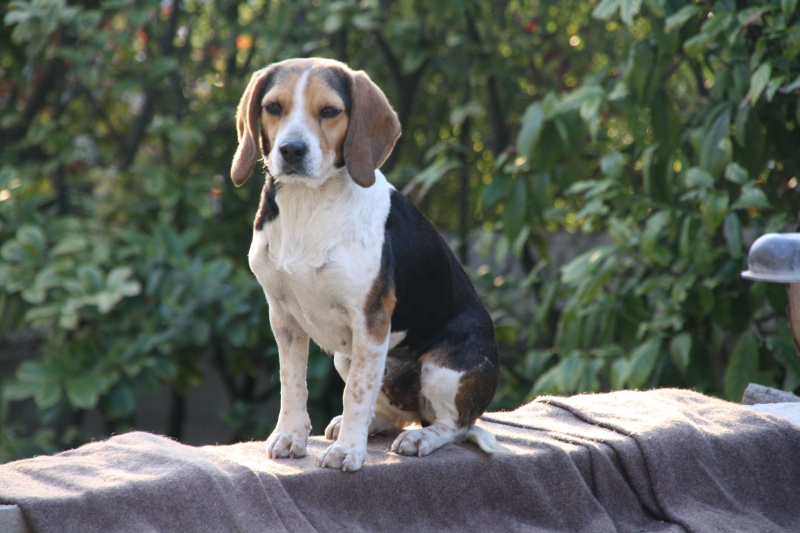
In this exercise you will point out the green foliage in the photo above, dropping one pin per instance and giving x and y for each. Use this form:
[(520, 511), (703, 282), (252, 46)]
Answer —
[(124, 244), (680, 149), (125, 310), (666, 127)]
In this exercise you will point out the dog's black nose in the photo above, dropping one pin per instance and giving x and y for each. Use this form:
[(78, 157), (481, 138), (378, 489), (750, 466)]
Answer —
[(293, 152)]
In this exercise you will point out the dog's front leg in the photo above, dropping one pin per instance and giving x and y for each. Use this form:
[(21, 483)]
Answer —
[(291, 432), (364, 380)]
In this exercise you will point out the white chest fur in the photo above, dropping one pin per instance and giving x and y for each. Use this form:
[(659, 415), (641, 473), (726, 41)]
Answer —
[(317, 259)]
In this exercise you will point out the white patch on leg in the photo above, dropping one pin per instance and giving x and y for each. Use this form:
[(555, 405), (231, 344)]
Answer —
[(291, 432), (395, 338), (439, 390), (364, 377)]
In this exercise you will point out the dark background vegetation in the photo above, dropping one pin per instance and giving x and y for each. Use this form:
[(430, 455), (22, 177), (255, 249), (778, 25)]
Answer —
[(665, 130)]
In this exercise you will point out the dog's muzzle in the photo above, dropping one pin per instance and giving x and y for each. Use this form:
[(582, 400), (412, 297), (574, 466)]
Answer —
[(294, 154)]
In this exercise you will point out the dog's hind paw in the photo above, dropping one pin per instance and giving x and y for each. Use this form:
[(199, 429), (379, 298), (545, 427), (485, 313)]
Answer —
[(421, 442), (332, 431), (281, 444), (342, 457)]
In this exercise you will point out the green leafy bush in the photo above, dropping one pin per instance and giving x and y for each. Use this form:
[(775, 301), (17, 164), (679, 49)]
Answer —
[(667, 128), (123, 242), (681, 149)]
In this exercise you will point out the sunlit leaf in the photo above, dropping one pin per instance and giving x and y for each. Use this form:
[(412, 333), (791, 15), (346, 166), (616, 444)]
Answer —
[(697, 177), (751, 197), (620, 370), (515, 209), (759, 80), (732, 230), (606, 9), (47, 395), (656, 224), (680, 348), (32, 237), (70, 244), (680, 17), (714, 155), (742, 367), (629, 9), (714, 210), (642, 362), (82, 392), (735, 173), (532, 122)]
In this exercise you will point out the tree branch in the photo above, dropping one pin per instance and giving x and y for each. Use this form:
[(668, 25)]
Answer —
[(35, 103), (500, 136), (394, 65), (167, 47)]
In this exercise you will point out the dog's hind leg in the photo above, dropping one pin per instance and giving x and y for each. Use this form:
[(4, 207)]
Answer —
[(386, 417), (439, 390), (452, 400)]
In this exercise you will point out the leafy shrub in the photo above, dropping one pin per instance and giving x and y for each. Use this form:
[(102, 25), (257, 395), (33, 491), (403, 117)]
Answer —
[(681, 149), (123, 241), (665, 127)]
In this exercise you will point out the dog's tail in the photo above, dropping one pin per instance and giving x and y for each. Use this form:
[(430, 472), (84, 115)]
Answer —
[(485, 441)]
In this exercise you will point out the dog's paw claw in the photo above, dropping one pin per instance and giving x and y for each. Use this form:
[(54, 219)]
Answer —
[(345, 458), (291, 445), (412, 442)]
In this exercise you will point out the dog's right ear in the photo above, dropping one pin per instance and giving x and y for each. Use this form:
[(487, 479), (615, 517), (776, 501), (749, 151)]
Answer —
[(248, 125)]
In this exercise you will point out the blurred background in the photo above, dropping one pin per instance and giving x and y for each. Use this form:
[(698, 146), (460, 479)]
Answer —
[(599, 167)]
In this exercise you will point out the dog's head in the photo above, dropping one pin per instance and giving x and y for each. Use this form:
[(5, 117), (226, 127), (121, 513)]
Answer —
[(312, 118)]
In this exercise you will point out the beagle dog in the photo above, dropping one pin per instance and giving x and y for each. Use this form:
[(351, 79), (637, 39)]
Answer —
[(348, 261)]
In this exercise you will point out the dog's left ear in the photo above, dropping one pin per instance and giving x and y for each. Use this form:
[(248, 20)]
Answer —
[(372, 132), (248, 116)]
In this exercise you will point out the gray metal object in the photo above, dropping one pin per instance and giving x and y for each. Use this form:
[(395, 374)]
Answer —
[(774, 257)]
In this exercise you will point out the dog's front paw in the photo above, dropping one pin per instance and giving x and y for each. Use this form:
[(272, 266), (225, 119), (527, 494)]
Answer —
[(332, 431), (343, 457), (287, 444)]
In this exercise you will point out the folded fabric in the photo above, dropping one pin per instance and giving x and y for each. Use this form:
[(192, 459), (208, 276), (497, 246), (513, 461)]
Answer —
[(663, 460)]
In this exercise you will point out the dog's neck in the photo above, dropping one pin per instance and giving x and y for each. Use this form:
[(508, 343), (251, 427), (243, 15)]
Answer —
[(315, 220)]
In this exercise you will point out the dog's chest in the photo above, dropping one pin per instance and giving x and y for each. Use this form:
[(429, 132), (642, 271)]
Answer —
[(317, 259), (314, 296)]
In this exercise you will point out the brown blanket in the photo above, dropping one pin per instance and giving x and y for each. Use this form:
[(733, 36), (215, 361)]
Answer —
[(663, 460)]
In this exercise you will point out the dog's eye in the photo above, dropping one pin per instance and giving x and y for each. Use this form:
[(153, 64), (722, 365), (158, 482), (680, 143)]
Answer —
[(273, 108), (329, 112)]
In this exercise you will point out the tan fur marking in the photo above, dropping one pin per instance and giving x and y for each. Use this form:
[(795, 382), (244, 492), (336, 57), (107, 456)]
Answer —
[(379, 314), (329, 131), (283, 94), (475, 391), (357, 393), (438, 357)]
